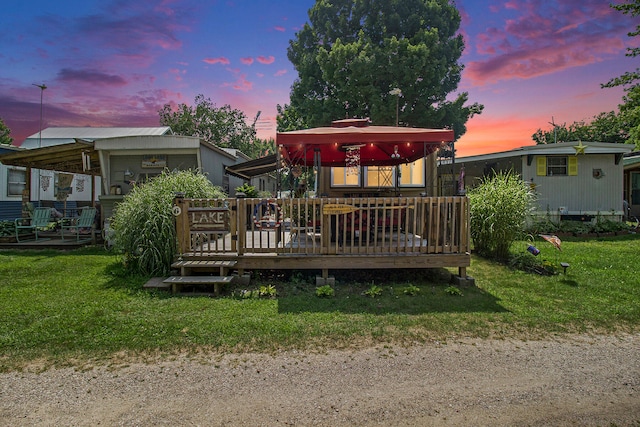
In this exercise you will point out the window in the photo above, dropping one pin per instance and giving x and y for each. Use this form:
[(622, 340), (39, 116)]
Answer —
[(225, 181), (340, 178), (412, 174), (635, 188), (379, 176), (16, 181), (556, 166)]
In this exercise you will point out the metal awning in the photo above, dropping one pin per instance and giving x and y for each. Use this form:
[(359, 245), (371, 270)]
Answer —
[(261, 166), (76, 157)]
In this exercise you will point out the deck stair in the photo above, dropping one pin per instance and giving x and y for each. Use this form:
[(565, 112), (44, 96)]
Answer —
[(188, 266), (197, 273), (177, 282)]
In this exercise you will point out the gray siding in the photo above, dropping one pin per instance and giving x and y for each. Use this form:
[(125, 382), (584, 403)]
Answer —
[(214, 163), (581, 193)]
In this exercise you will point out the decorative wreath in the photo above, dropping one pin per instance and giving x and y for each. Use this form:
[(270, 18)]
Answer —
[(263, 212)]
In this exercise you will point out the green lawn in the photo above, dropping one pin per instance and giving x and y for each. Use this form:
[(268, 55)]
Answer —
[(79, 307)]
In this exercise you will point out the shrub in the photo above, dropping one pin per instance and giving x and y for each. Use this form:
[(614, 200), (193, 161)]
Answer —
[(499, 208), (412, 290), (452, 290), (374, 291), (249, 190), (325, 291), (143, 222), (267, 291)]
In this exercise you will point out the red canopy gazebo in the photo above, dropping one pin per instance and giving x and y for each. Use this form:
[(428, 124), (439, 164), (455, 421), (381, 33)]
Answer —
[(377, 145)]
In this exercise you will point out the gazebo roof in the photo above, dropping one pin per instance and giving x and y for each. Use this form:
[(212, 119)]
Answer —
[(377, 145)]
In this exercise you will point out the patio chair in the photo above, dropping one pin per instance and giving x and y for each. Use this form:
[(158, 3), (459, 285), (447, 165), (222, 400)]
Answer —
[(40, 219), (86, 220)]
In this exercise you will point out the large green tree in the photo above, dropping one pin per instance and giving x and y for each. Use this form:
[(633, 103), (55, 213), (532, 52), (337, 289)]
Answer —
[(389, 60), (629, 114), (5, 133), (605, 127), (223, 126)]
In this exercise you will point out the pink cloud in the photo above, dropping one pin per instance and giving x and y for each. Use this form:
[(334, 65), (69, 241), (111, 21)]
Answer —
[(247, 61), (177, 73), (540, 61), (266, 59), (220, 60), (544, 39), (241, 84), (511, 5), (260, 75), (280, 73), (279, 28)]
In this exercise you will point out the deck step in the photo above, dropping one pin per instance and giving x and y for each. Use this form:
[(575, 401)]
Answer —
[(186, 266), (177, 282), (204, 263), (156, 283)]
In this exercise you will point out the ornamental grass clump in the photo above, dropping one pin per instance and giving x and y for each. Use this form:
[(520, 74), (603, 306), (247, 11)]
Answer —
[(500, 206), (143, 222)]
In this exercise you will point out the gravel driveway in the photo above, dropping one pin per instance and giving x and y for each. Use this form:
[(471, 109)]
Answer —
[(578, 380)]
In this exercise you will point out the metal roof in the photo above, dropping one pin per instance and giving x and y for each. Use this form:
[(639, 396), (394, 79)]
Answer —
[(261, 166), (560, 148), (75, 157), (632, 160), (93, 133)]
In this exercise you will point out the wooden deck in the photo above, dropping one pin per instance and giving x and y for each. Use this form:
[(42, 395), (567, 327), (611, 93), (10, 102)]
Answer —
[(326, 233)]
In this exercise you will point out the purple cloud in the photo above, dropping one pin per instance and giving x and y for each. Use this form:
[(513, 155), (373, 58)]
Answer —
[(546, 37), (93, 77)]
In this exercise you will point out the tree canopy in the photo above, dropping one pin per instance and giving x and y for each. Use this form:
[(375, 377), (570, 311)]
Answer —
[(618, 127), (394, 61), (5, 133), (225, 127), (629, 115), (604, 127)]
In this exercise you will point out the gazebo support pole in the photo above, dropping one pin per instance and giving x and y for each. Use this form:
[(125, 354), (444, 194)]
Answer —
[(432, 174)]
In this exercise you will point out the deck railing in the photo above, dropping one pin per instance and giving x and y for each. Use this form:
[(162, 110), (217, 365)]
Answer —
[(370, 225)]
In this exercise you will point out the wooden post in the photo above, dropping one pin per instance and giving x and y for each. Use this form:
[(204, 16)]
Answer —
[(241, 224), (432, 174), (181, 211), (233, 223)]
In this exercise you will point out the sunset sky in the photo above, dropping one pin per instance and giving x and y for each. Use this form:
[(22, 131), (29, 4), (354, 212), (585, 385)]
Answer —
[(117, 62)]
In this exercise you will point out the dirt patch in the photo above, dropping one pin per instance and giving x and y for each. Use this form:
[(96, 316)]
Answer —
[(580, 380)]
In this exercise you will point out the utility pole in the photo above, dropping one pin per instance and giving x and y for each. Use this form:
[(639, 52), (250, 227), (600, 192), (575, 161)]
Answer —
[(42, 88)]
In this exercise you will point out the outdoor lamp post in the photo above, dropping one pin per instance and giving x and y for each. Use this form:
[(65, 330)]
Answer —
[(42, 88), (397, 93)]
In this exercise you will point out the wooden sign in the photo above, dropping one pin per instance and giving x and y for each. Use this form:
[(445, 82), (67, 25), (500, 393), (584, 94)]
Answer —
[(337, 209), (209, 219)]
